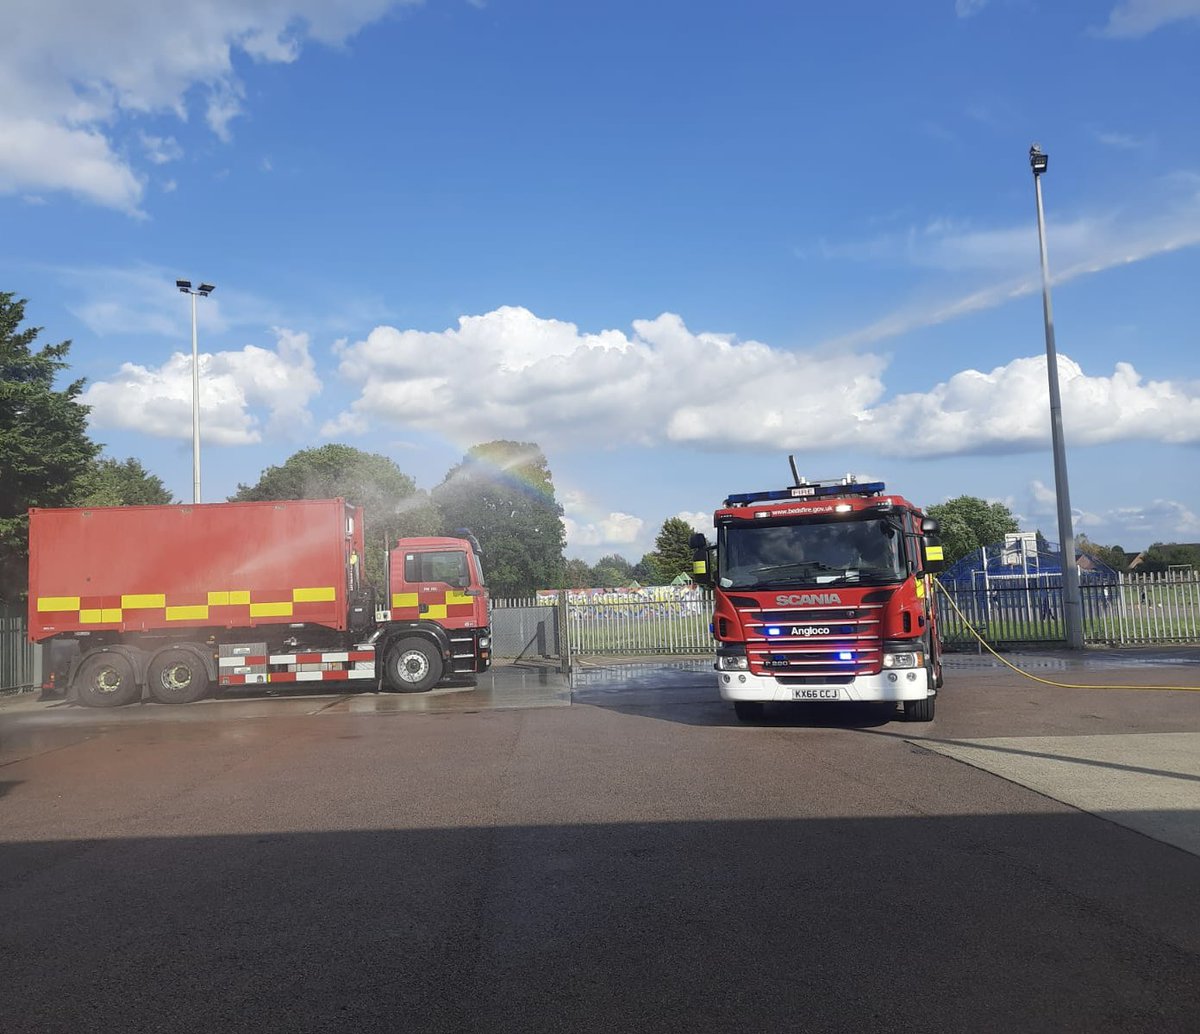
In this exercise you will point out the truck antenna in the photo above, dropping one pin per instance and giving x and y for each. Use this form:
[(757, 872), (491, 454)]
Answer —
[(795, 473)]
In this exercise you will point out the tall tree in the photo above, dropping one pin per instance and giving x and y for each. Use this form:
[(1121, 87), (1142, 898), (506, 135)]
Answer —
[(968, 522), (504, 493), (44, 446), (612, 572), (645, 571), (577, 574), (393, 507), (672, 554), (1113, 556), (109, 482)]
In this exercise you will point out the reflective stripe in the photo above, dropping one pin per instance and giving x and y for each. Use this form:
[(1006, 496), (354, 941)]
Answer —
[(144, 601), (197, 613), (56, 603), (97, 617), (404, 599), (270, 610), (319, 594), (934, 553), (699, 567)]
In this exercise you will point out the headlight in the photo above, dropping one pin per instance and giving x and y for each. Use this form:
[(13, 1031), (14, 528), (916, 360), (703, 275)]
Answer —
[(732, 662), (905, 659), (485, 641)]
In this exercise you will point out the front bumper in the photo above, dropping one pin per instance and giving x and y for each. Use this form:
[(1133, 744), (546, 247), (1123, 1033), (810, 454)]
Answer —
[(897, 684)]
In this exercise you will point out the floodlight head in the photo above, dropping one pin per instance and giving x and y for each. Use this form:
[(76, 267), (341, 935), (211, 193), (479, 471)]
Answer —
[(1038, 160), (184, 285), (206, 289)]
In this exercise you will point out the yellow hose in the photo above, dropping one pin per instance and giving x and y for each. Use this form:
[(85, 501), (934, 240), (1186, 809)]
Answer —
[(1046, 682)]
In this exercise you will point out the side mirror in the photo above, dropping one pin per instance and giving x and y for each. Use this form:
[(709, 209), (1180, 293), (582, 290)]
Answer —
[(704, 561), (929, 526), (697, 540), (933, 558)]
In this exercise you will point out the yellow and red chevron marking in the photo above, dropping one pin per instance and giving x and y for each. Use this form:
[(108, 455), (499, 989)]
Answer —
[(219, 605), (438, 606)]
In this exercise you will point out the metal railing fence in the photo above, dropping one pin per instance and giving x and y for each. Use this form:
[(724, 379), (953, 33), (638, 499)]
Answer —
[(20, 660), (1130, 610)]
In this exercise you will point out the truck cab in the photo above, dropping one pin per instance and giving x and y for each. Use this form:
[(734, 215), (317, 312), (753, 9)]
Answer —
[(823, 592), (434, 621)]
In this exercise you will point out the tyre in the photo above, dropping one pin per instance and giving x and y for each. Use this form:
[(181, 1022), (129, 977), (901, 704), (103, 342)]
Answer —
[(748, 710), (106, 680), (919, 710), (413, 666), (177, 677)]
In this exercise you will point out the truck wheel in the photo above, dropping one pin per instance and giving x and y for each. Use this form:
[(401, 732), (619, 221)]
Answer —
[(919, 710), (748, 710), (177, 677), (413, 666), (106, 680)]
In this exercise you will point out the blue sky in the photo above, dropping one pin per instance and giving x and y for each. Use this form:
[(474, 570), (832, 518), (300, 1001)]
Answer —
[(670, 242)]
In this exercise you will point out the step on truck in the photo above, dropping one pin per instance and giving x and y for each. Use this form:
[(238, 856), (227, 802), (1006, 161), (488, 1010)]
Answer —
[(823, 592), (181, 600)]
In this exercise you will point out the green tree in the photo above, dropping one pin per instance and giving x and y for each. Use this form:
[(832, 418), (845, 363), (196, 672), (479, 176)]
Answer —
[(577, 574), (968, 522), (504, 493), (646, 571), (1162, 556), (1113, 556), (44, 446), (109, 482), (612, 572), (672, 554), (393, 507)]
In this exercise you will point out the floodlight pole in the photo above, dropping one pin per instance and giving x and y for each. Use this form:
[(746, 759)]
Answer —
[(203, 291), (1072, 606), (195, 407)]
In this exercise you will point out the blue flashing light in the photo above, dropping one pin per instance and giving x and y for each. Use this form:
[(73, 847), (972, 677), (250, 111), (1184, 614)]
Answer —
[(774, 630), (801, 492), (845, 655)]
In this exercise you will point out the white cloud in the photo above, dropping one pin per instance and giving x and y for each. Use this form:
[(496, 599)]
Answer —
[(1133, 18), (70, 72), (1159, 520), (698, 520), (238, 392), (1078, 247), (161, 150), (509, 374), (1121, 141), (587, 528), (969, 8)]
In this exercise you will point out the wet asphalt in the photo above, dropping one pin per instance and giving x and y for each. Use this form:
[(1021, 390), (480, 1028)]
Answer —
[(620, 854)]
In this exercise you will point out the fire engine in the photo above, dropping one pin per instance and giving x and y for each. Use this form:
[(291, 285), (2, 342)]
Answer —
[(823, 592), (180, 599)]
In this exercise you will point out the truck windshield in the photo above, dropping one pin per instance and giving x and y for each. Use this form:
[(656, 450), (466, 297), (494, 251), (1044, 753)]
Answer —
[(760, 555)]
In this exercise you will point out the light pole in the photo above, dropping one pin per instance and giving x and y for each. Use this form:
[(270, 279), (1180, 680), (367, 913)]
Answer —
[(204, 290), (1072, 609)]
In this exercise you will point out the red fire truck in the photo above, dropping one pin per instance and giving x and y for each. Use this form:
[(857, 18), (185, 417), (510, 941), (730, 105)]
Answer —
[(179, 599), (823, 592)]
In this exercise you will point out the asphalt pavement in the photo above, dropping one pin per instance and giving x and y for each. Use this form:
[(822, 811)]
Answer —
[(521, 855)]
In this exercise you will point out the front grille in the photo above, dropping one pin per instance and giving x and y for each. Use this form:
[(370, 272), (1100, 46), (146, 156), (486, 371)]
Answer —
[(822, 644)]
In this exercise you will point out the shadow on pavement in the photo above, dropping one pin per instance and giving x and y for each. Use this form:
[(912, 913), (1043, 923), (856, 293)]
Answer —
[(1005, 922)]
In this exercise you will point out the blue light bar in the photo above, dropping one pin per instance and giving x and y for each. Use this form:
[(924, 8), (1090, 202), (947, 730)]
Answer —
[(805, 492)]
